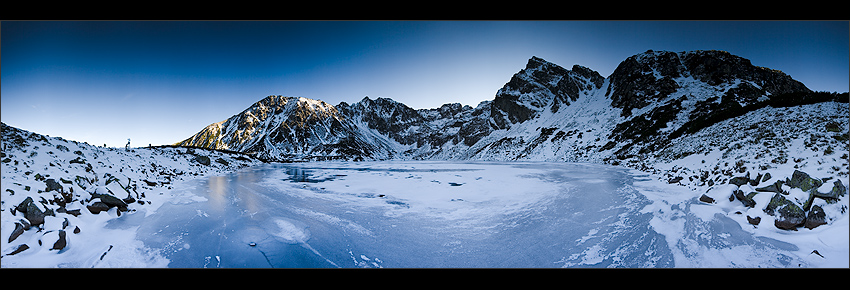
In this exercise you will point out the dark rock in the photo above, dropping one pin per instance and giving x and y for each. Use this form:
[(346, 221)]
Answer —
[(149, 183), (775, 187), (754, 221), (76, 229), (97, 207), (202, 160), (21, 248), (838, 190), (740, 180), (61, 242), (706, 199), (788, 215), (22, 207), (747, 200), (111, 200), (19, 229), (52, 185), (33, 214), (222, 161), (756, 181), (815, 217), (675, 180), (803, 181), (73, 212)]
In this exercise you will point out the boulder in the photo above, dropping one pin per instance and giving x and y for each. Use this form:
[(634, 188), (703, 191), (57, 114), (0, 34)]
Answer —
[(52, 185), (706, 199), (788, 215), (20, 248), (97, 207), (112, 201), (31, 211), (815, 217), (756, 181), (19, 229), (803, 181), (775, 187), (61, 242), (740, 180), (202, 160), (754, 221), (747, 200), (838, 190)]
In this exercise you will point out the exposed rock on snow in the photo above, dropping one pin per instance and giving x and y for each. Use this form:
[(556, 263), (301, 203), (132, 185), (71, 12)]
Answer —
[(52, 185), (706, 120)]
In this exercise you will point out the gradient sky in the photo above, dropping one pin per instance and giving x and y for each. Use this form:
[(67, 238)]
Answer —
[(159, 82)]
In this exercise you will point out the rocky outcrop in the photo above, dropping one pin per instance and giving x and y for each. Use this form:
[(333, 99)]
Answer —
[(788, 215)]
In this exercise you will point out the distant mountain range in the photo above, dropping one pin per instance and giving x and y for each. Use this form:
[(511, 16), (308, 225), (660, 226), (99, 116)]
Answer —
[(649, 104)]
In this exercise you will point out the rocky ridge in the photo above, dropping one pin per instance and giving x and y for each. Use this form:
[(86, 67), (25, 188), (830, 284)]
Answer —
[(653, 112)]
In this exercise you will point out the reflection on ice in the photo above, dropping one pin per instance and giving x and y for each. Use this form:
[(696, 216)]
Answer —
[(443, 214)]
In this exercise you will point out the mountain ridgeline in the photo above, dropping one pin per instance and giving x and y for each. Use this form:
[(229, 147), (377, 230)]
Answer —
[(544, 112)]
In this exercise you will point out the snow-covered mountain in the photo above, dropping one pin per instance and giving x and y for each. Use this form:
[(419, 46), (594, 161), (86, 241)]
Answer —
[(701, 119), (545, 112)]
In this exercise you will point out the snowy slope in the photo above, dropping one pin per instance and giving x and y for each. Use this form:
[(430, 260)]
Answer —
[(67, 181)]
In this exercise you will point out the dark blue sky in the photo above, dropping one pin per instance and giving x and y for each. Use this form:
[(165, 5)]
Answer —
[(159, 82)]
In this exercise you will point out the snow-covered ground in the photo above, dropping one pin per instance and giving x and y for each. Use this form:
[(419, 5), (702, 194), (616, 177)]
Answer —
[(396, 213), (142, 177)]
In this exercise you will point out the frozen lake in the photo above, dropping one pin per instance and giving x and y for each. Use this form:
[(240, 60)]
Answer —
[(424, 214)]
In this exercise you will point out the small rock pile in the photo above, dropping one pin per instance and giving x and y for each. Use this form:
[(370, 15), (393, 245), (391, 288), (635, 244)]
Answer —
[(790, 213)]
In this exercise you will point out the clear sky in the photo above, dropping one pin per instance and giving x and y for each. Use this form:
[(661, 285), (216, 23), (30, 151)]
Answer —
[(159, 82)]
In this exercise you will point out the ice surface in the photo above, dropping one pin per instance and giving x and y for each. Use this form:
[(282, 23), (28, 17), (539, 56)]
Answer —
[(408, 214)]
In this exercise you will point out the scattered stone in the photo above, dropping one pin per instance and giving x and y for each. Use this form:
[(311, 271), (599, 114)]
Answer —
[(675, 180), (76, 229), (816, 253), (112, 201), (706, 199), (97, 207), (747, 200), (61, 242), (815, 217), (754, 221), (19, 229), (756, 181), (52, 185), (838, 190), (775, 187), (31, 211), (222, 161), (202, 160), (21, 248), (740, 180)]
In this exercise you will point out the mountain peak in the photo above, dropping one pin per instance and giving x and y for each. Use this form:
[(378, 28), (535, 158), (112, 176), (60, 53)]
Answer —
[(654, 92)]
